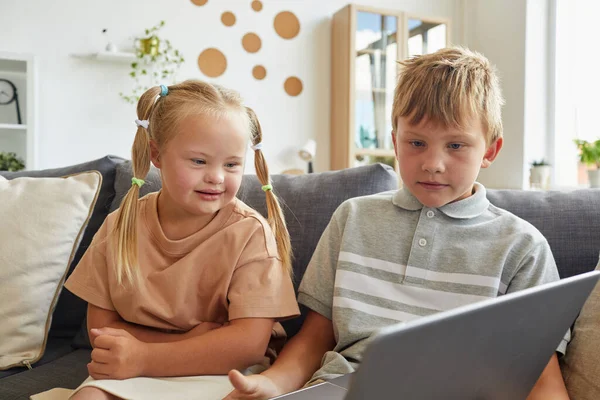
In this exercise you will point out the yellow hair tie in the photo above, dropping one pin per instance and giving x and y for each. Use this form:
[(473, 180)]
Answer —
[(136, 181), (267, 187)]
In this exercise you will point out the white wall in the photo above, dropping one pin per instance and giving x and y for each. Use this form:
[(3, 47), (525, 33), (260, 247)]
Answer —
[(81, 117), (496, 28), (514, 35)]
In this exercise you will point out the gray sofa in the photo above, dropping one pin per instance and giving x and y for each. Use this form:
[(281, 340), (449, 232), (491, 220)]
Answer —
[(569, 220)]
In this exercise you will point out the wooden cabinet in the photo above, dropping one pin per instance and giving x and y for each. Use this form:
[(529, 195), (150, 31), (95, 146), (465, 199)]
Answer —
[(366, 44)]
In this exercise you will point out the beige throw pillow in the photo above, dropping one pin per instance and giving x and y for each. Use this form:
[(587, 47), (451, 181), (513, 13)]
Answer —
[(42, 221), (581, 364)]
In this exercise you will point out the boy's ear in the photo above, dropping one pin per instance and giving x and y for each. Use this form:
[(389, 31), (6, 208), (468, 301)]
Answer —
[(395, 145), (154, 154), (492, 152)]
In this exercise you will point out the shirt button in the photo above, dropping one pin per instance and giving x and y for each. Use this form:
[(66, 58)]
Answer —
[(430, 214), (422, 242)]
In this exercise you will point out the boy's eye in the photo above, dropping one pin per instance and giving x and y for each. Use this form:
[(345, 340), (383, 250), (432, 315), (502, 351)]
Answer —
[(455, 146), (417, 143), (198, 161)]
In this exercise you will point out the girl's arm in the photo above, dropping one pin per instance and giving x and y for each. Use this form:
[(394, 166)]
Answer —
[(100, 318), (238, 345)]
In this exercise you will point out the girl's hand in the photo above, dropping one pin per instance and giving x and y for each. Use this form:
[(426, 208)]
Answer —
[(252, 387), (117, 355)]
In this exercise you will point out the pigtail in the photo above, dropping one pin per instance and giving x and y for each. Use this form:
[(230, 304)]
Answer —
[(125, 231), (275, 214)]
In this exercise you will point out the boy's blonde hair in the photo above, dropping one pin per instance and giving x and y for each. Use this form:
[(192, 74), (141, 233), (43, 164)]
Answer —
[(164, 114), (449, 87)]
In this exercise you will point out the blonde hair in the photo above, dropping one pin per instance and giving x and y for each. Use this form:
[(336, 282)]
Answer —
[(164, 114), (449, 87)]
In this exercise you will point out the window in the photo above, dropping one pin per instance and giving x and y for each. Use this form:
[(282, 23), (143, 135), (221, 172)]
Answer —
[(576, 87)]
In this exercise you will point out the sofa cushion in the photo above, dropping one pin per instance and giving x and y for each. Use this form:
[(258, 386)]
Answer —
[(562, 217), (581, 364), (67, 371), (43, 220), (70, 309)]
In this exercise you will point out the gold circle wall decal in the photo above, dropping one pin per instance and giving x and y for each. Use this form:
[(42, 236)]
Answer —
[(251, 42), (256, 5), (228, 18), (259, 72), (286, 25), (212, 62), (199, 2), (293, 86)]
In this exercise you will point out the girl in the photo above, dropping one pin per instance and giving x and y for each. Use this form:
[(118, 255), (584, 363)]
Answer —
[(187, 281)]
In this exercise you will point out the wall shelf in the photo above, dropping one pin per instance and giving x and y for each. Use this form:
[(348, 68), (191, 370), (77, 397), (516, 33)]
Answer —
[(109, 56), (375, 152), (13, 126)]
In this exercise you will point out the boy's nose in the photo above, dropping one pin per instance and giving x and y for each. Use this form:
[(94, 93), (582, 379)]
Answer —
[(433, 163)]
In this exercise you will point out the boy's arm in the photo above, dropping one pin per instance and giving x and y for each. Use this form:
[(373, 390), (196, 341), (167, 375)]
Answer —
[(550, 385), (100, 318), (299, 360)]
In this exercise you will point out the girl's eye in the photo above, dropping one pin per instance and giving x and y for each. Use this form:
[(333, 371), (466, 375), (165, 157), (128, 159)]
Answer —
[(455, 146), (417, 143), (198, 161), (231, 165)]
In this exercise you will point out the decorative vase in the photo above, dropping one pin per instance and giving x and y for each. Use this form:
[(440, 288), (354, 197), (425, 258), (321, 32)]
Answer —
[(149, 46), (594, 178), (539, 177)]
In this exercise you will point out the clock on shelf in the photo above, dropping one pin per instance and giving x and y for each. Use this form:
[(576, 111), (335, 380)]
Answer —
[(8, 94)]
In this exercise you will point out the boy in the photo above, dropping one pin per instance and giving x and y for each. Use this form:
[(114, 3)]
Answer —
[(433, 245)]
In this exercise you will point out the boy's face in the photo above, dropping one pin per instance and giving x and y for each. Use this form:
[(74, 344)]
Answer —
[(439, 165)]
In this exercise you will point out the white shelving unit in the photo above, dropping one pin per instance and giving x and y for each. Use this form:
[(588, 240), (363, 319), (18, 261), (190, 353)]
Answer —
[(115, 56), (20, 138), (13, 126)]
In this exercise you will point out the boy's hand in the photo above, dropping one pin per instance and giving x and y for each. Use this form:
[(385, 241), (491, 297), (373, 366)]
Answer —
[(253, 387), (117, 354)]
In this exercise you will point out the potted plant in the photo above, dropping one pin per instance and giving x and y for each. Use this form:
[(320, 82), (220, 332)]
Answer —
[(157, 62), (539, 174), (10, 162), (589, 154)]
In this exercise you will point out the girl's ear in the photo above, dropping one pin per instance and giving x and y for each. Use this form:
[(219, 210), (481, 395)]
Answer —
[(491, 153), (154, 154)]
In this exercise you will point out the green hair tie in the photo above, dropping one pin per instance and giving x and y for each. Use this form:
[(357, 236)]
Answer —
[(136, 181), (267, 187)]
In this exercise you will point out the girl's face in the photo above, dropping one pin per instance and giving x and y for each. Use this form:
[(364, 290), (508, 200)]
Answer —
[(202, 165)]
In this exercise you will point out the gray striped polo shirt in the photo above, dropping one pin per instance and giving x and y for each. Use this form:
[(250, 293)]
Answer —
[(386, 258)]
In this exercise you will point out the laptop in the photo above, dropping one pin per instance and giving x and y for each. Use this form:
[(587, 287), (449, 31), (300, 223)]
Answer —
[(493, 349)]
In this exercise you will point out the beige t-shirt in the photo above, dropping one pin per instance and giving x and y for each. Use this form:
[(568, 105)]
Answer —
[(227, 270)]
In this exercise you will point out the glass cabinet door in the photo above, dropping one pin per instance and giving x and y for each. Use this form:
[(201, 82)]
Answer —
[(425, 36), (374, 82)]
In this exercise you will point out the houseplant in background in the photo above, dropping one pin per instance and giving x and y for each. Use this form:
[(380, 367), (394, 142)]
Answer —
[(539, 175), (10, 162), (589, 154), (157, 62)]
